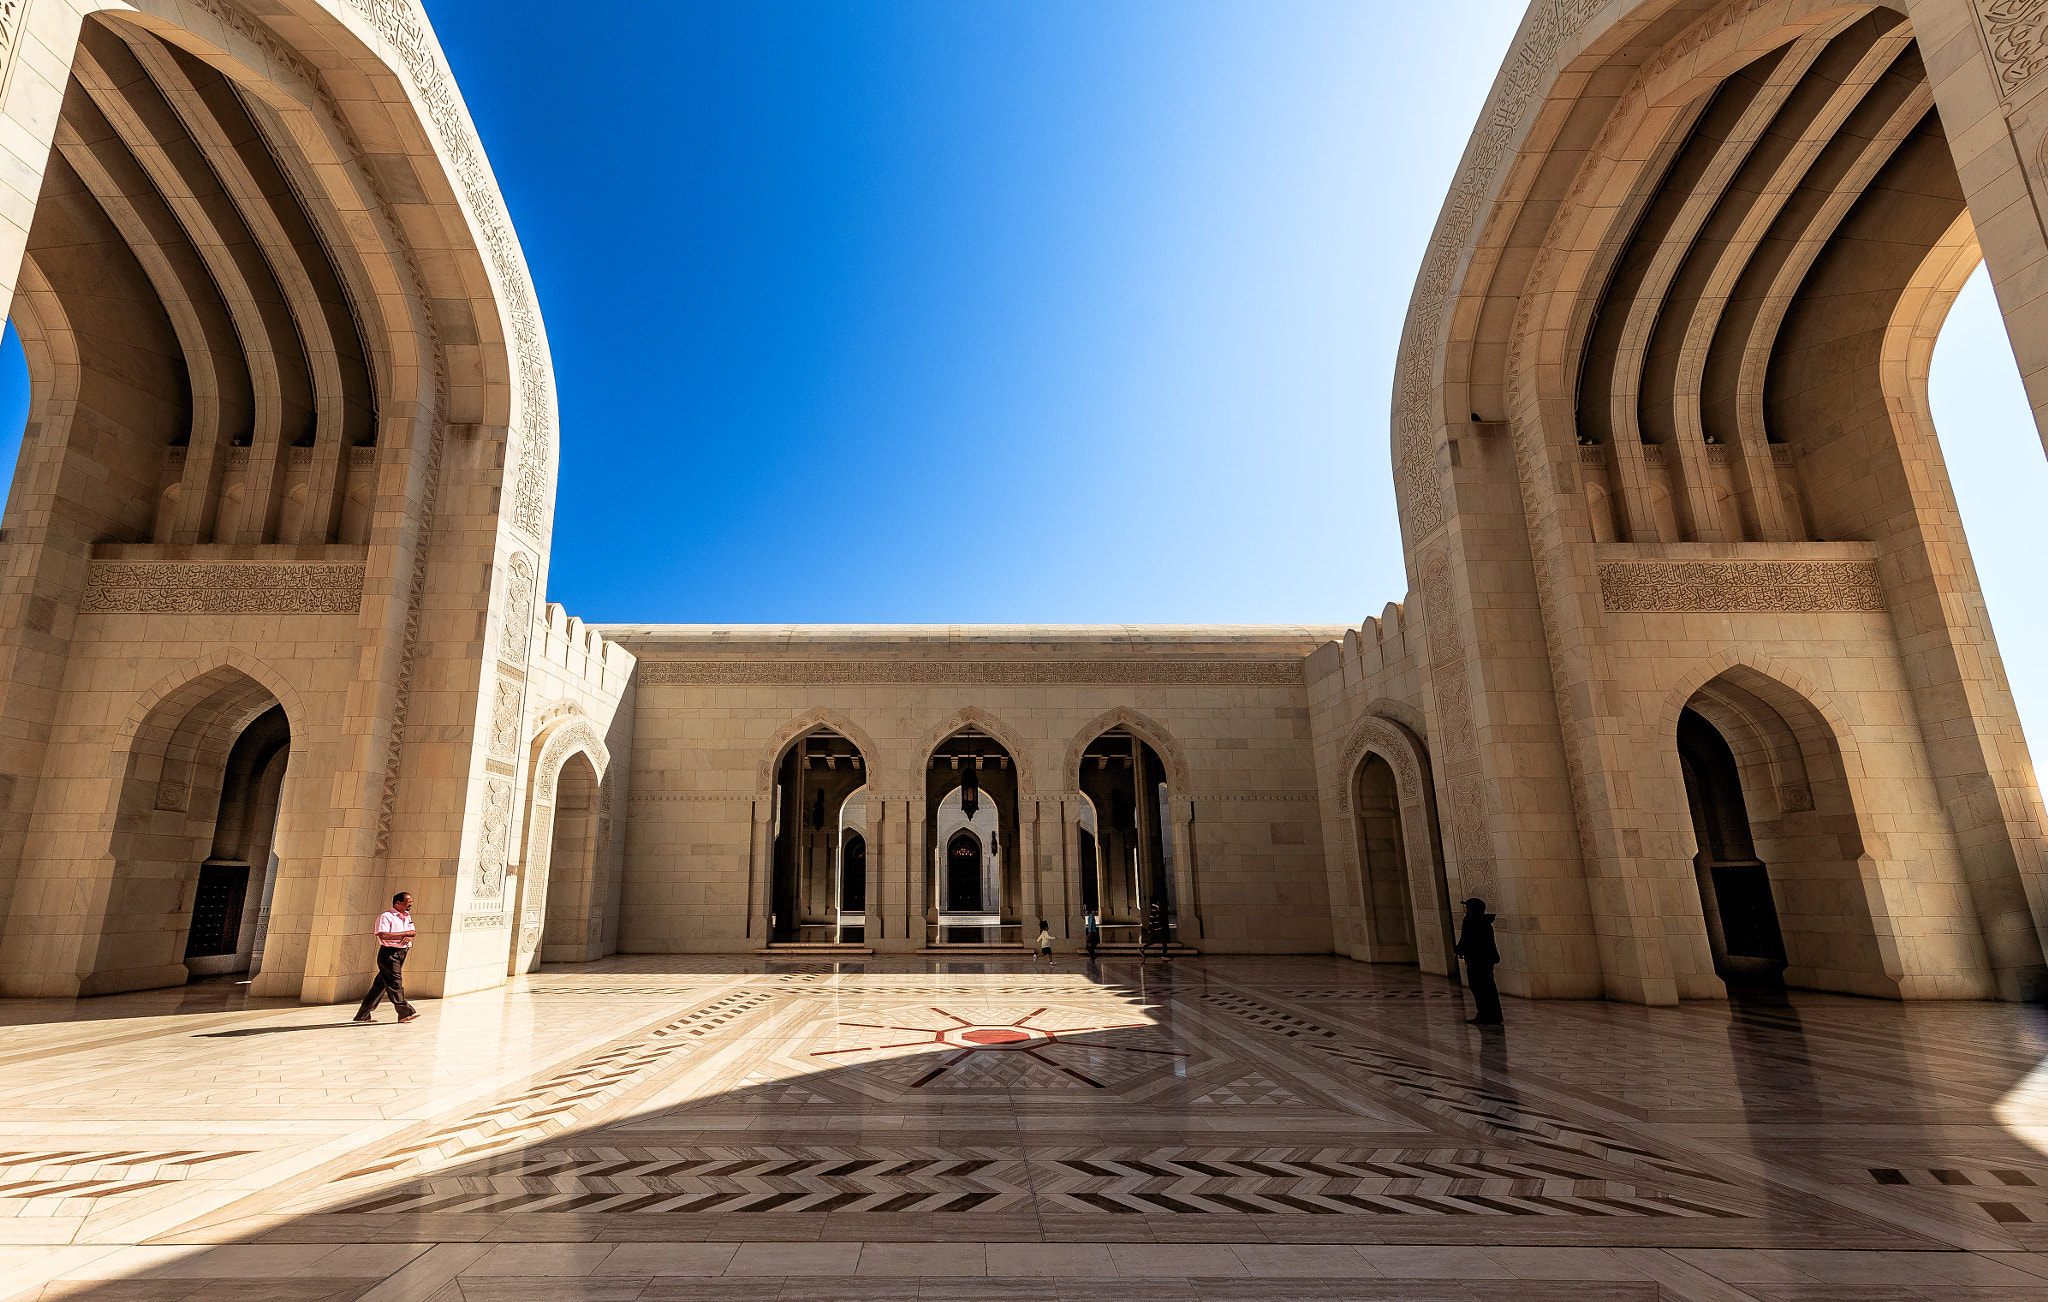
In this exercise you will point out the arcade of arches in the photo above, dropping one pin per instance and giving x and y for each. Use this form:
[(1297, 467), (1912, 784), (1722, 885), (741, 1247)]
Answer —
[(1694, 685)]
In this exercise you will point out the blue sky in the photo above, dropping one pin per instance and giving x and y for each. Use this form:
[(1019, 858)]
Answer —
[(1020, 310)]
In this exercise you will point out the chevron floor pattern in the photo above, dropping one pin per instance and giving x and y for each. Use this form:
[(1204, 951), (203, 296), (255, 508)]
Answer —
[(1209, 1129)]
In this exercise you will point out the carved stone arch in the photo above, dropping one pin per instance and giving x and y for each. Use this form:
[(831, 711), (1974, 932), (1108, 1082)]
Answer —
[(975, 717), (557, 743), (1784, 675), (808, 722), (1391, 744), (180, 678), (1401, 712), (1138, 725), (1421, 866)]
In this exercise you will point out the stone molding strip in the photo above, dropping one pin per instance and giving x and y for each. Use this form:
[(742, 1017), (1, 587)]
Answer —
[(1808, 587), (223, 588), (1113, 673)]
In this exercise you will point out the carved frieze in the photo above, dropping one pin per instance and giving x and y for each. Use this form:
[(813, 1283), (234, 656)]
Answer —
[(1110, 673), (404, 26), (1549, 25), (2017, 33), (223, 588), (1679, 587)]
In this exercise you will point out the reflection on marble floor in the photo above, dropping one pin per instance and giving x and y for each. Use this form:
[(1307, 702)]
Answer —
[(1220, 1128)]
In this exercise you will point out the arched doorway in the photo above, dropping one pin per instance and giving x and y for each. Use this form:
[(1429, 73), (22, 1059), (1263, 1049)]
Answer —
[(813, 779), (569, 891), (1735, 886), (852, 890), (1786, 881), (231, 896), (1125, 782), (975, 891), (1382, 888)]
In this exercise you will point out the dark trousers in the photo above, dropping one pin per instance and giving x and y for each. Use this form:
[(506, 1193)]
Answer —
[(390, 981), (1479, 976)]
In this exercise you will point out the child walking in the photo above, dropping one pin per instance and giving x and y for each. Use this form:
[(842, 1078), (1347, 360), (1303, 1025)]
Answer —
[(1044, 949)]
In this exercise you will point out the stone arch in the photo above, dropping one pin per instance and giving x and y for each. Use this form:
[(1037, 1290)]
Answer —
[(570, 739), (810, 721), (1429, 902), (975, 717), (1147, 729), (1834, 888), (131, 898)]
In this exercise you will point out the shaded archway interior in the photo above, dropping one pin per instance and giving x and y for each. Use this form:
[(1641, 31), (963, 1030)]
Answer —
[(814, 778), (1132, 855), (185, 318), (976, 893)]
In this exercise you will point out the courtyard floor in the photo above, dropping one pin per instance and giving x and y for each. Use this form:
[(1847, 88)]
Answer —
[(1248, 1128)]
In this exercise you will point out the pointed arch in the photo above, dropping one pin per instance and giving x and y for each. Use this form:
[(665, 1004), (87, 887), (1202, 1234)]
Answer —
[(1141, 726), (981, 720), (810, 721)]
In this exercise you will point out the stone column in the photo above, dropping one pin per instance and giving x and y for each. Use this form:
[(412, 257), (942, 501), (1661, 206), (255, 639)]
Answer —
[(1183, 833)]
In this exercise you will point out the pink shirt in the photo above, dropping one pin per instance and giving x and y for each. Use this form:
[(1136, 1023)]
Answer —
[(392, 920)]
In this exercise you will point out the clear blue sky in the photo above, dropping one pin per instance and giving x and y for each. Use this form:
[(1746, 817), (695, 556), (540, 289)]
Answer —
[(1020, 310)]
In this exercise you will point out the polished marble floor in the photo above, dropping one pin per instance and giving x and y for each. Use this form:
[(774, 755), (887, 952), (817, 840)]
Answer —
[(1231, 1128)]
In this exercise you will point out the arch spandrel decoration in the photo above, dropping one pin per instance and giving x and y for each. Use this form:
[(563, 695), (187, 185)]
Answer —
[(558, 743), (808, 722), (1145, 729), (981, 720)]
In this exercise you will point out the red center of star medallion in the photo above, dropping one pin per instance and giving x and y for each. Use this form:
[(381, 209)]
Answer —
[(995, 1037)]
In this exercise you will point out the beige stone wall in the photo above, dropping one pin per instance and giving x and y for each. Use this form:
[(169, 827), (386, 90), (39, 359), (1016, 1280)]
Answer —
[(1224, 708)]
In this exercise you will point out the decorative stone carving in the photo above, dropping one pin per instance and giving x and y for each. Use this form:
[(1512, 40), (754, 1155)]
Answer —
[(580, 734), (1108, 673), (504, 742), (493, 837), (1386, 741), (2017, 33), (1793, 799), (515, 643), (404, 26), (223, 588), (1548, 27), (483, 921), (1141, 727), (1733, 586), (173, 796)]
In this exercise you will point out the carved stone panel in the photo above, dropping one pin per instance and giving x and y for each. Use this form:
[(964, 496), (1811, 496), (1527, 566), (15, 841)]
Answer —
[(1112, 673), (223, 588), (1807, 587), (493, 839)]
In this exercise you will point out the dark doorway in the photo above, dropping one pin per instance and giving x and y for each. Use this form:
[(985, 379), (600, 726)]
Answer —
[(814, 778), (1125, 781), (231, 899), (853, 874), (1735, 886), (963, 874)]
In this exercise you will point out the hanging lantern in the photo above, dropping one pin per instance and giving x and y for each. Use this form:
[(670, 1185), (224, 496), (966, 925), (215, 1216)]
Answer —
[(970, 792)]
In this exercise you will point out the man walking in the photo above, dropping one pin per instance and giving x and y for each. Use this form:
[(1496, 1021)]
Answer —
[(1476, 947), (394, 938), (1091, 927)]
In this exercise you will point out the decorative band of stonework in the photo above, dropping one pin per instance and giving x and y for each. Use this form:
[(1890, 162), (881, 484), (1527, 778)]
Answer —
[(1801, 587), (223, 588), (1110, 673)]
